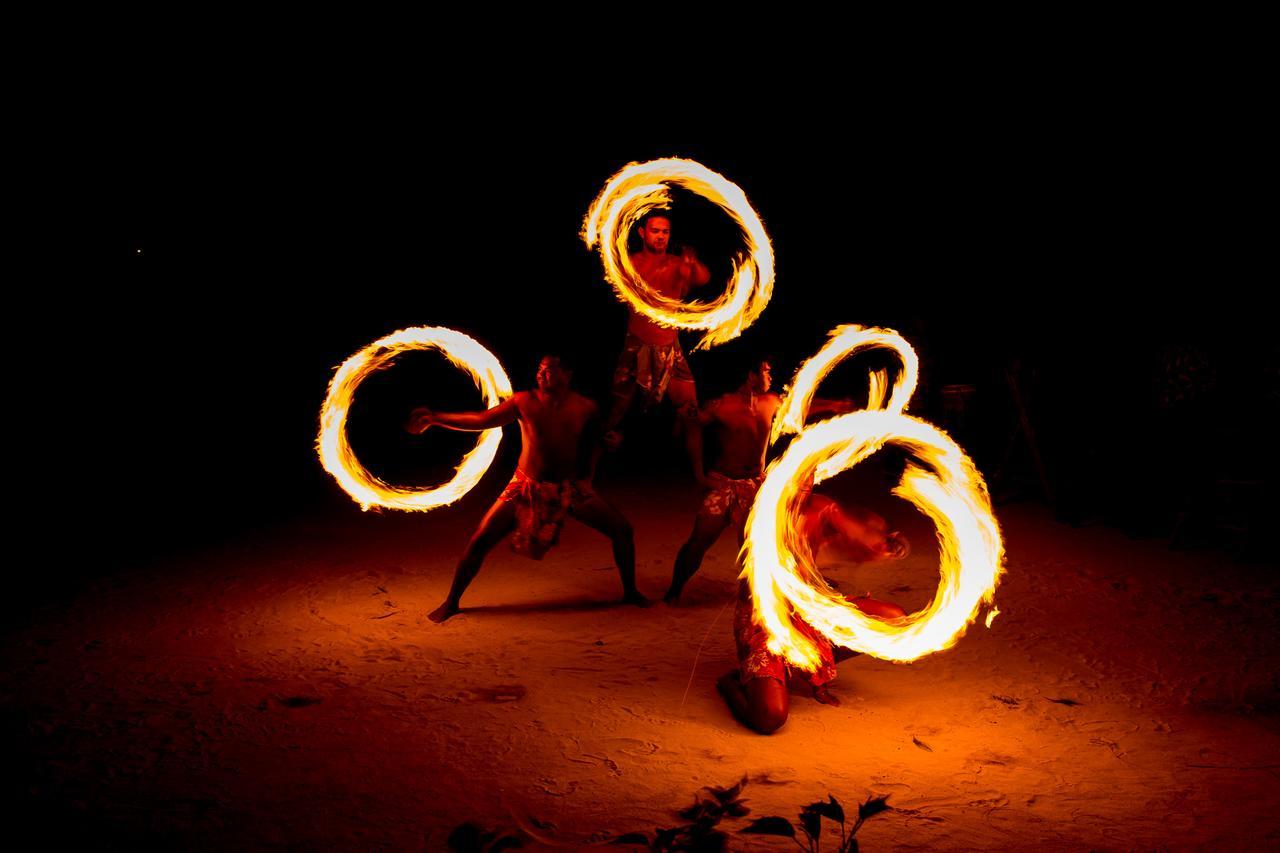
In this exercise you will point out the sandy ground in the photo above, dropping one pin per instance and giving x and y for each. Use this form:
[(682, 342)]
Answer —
[(290, 691)]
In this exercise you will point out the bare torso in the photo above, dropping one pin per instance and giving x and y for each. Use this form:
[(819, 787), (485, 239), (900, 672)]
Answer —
[(668, 275), (742, 424), (551, 431)]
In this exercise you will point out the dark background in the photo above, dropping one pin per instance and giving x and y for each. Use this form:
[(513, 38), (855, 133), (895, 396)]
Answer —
[(237, 254)]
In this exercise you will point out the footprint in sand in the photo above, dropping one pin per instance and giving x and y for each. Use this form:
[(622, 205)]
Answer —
[(635, 746)]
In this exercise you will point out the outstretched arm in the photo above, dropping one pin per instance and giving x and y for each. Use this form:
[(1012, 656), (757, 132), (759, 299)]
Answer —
[(864, 532), (421, 418), (821, 406)]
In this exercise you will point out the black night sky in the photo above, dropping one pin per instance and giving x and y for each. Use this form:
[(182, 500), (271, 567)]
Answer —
[(248, 257)]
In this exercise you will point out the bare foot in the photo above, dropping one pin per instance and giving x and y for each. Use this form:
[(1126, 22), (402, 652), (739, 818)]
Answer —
[(823, 695), (443, 612), (636, 599)]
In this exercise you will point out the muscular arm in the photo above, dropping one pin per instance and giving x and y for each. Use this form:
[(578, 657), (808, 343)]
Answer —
[(500, 415), (695, 272), (863, 533)]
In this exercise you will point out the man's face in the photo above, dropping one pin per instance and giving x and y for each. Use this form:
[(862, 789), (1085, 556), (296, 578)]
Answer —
[(551, 374), (656, 233), (762, 378)]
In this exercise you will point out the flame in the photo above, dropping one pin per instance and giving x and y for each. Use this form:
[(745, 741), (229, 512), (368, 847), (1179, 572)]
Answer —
[(941, 482), (843, 342), (336, 454), (643, 187), (991, 615)]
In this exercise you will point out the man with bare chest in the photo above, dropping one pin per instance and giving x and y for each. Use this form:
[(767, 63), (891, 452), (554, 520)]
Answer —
[(558, 429), (757, 692), (652, 363), (741, 421)]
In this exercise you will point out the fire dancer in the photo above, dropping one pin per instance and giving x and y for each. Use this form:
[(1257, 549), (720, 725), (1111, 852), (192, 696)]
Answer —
[(651, 361), (757, 692), (741, 420), (559, 429)]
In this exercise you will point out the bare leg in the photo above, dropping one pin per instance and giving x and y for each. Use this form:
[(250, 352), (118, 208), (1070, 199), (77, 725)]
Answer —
[(497, 523), (623, 394), (706, 530), (761, 704), (599, 515)]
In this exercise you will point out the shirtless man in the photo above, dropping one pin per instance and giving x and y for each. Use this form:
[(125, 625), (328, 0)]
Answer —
[(558, 430), (741, 420), (757, 692), (651, 361)]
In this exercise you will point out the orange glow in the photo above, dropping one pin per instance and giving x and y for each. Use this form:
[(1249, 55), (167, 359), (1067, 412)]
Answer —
[(941, 482), (340, 460), (640, 188)]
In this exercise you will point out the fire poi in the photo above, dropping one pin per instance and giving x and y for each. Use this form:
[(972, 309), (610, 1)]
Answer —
[(941, 482), (340, 460), (641, 188)]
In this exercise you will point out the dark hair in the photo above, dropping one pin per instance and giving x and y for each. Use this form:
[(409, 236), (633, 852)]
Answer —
[(566, 360), (662, 214), (753, 360)]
